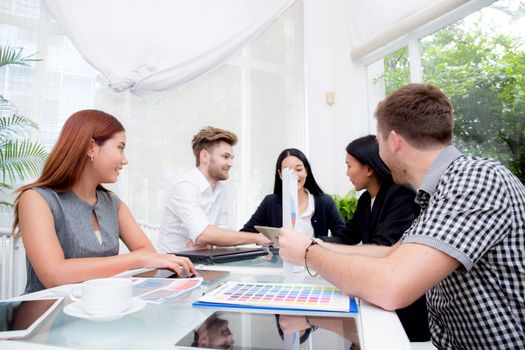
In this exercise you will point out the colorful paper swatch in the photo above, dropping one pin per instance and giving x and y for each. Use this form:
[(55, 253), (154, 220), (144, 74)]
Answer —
[(281, 296), (158, 290)]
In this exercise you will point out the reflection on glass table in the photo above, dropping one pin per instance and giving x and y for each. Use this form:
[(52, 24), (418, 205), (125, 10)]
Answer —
[(235, 330), (164, 325)]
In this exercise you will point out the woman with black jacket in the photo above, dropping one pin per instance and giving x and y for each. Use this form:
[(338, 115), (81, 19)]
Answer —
[(384, 211), (317, 212)]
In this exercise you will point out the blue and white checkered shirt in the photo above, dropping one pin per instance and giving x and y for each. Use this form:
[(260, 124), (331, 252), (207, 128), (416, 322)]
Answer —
[(473, 209)]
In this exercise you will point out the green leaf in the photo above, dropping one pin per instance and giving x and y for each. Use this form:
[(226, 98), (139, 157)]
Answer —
[(14, 126), (5, 206), (346, 204), (21, 159), (13, 55), (19, 156)]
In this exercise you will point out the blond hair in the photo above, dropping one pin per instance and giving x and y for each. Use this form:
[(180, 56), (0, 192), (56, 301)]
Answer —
[(208, 137)]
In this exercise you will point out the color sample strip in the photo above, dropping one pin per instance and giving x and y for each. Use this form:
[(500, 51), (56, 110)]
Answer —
[(300, 296)]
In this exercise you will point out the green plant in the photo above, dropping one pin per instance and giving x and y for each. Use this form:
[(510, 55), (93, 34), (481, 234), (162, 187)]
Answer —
[(346, 204), (20, 157)]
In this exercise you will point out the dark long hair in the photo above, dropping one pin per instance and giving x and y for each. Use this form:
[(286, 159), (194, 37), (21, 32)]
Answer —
[(366, 151), (310, 184)]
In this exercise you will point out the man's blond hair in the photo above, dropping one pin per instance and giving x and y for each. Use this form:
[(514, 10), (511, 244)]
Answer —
[(208, 137)]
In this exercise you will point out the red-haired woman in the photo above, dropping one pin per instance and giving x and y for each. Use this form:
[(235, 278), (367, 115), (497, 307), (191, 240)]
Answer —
[(69, 223)]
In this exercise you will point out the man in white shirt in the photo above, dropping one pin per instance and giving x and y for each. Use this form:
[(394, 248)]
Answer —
[(196, 215)]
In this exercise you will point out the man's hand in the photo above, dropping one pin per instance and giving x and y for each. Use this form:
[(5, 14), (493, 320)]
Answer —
[(194, 246), (262, 240), (292, 246)]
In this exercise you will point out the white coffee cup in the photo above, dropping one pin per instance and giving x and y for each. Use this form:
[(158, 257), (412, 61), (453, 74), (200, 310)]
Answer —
[(104, 296)]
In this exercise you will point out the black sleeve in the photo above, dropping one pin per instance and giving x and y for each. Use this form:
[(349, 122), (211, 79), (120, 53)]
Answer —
[(350, 233), (333, 217), (259, 218), (398, 213)]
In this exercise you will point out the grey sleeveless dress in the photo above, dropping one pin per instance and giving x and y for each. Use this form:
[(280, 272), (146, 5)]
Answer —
[(74, 227)]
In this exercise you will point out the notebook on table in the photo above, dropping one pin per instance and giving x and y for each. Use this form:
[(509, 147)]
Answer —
[(223, 254)]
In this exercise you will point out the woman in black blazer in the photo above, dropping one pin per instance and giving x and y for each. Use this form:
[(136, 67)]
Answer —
[(325, 215), (384, 211)]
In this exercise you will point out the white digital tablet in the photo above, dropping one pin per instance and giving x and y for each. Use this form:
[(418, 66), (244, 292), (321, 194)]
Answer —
[(19, 318), (272, 233)]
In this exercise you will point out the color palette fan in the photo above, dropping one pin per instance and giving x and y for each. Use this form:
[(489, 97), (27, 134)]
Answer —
[(279, 296)]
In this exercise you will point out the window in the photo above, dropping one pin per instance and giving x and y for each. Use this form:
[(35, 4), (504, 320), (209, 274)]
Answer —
[(251, 95), (384, 77), (479, 62), (397, 70)]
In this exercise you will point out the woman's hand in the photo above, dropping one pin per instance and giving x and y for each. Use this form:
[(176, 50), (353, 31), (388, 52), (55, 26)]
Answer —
[(155, 260)]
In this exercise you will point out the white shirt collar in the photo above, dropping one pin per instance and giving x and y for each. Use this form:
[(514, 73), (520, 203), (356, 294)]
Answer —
[(311, 205)]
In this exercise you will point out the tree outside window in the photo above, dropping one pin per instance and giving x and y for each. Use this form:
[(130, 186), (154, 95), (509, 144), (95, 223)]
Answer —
[(479, 62)]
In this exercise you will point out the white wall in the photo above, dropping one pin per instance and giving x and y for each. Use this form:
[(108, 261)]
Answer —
[(329, 68)]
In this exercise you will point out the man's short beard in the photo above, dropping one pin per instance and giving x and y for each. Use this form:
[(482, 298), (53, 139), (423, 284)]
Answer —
[(217, 175)]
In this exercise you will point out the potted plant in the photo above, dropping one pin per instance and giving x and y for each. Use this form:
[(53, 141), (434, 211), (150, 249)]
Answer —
[(346, 204), (20, 157)]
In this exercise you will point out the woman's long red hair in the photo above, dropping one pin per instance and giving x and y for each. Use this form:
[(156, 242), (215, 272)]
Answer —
[(66, 162)]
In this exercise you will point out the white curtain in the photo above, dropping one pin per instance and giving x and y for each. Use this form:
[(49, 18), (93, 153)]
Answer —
[(375, 23), (153, 45)]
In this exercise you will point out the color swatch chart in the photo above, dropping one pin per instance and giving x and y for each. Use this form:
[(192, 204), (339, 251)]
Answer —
[(280, 295)]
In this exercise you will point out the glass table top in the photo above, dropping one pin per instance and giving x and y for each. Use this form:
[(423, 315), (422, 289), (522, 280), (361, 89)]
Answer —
[(176, 323)]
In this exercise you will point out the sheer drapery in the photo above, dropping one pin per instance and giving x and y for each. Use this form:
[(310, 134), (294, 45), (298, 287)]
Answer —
[(256, 89), (375, 23), (153, 45)]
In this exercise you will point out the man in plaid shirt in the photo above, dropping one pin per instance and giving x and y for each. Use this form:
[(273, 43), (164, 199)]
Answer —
[(466, 250)]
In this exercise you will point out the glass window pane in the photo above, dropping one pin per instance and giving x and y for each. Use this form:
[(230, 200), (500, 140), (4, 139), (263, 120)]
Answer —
[(397, 70), (251, 95), (480, 63), (384, 77)]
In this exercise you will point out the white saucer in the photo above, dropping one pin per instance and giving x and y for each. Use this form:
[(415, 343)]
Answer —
[(75, 310)]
